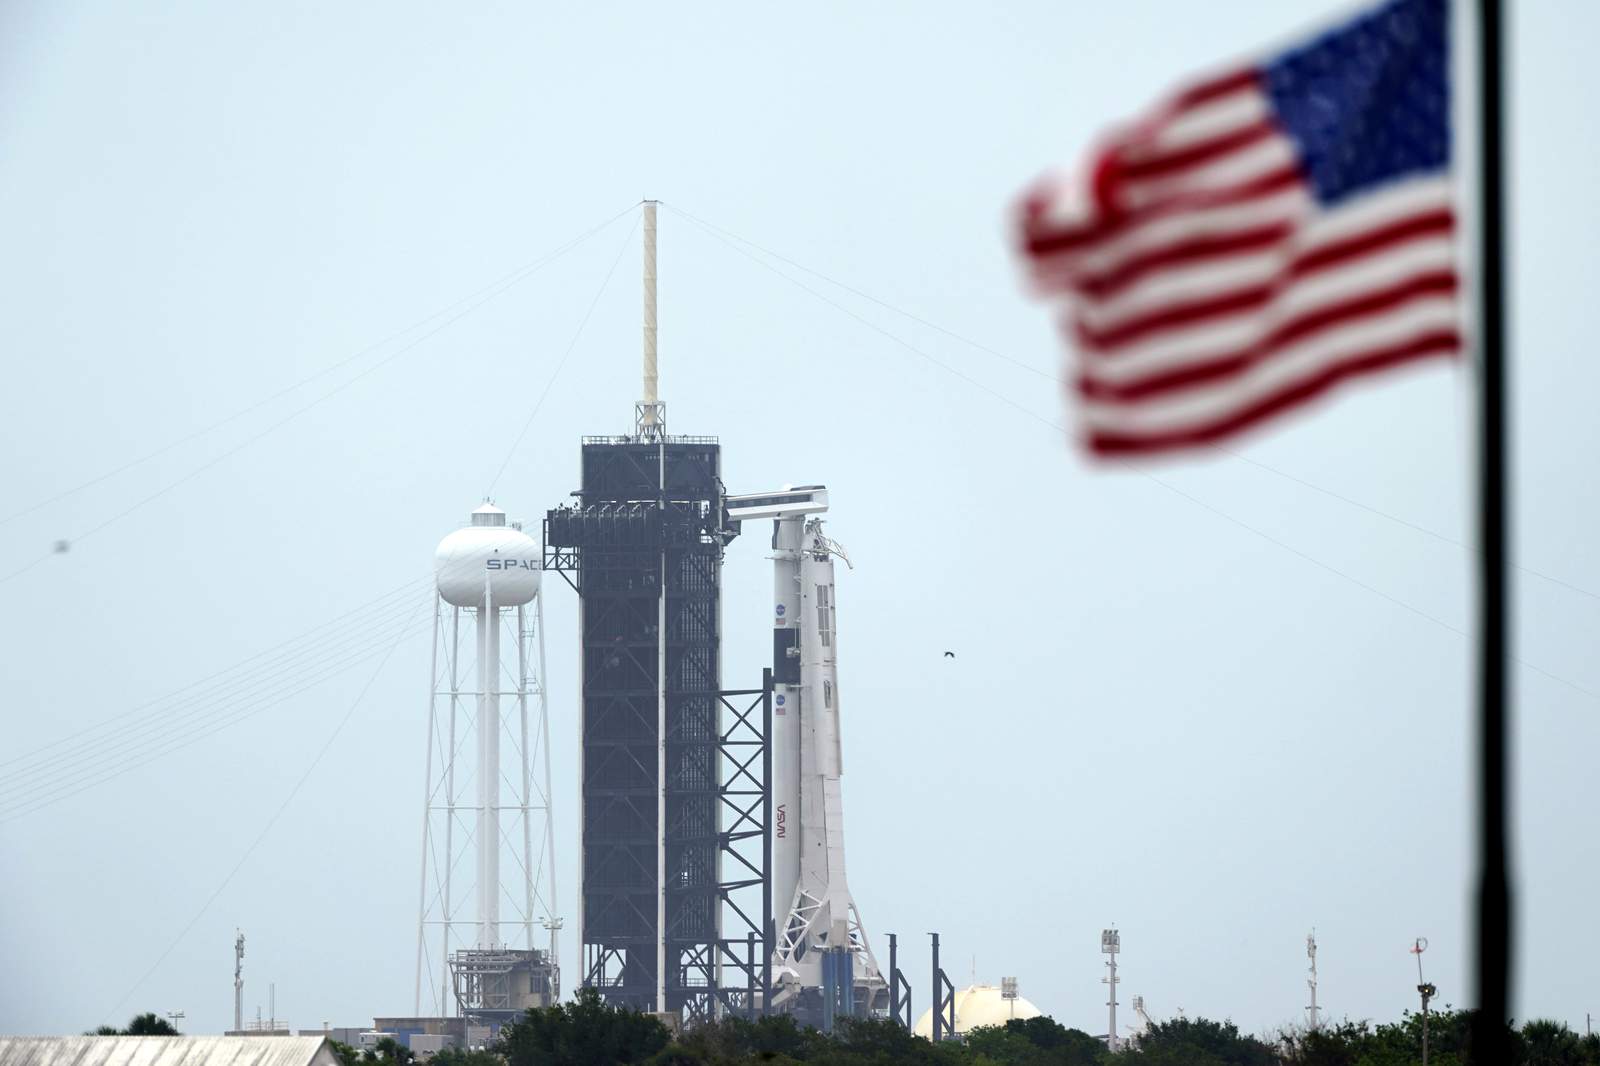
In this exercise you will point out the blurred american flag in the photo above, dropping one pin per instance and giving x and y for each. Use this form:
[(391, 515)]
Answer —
[(1260, 237)]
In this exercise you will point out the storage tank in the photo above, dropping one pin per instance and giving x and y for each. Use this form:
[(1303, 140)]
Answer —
[(488, 566), (977, 1006), (488, 554)]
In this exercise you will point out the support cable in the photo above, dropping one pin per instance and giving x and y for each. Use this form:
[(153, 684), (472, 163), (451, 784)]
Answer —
[(256, 843), (512, 451), (982, 387), (721, 231), (492, 290), (292, 415)]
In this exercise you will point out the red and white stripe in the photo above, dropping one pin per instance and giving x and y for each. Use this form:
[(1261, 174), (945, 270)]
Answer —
[(1206, 289)]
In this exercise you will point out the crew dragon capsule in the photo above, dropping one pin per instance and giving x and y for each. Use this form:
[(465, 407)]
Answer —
[(821, 948)]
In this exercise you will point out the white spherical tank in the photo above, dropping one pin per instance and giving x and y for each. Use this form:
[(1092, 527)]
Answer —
[(488, 553)]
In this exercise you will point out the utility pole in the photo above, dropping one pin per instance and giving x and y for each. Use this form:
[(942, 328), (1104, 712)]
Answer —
[(1311, 953), (174, 1016), (1110, 944), (1425, 990)]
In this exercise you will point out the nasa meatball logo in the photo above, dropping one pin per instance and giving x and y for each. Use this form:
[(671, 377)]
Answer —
[(779, 702)]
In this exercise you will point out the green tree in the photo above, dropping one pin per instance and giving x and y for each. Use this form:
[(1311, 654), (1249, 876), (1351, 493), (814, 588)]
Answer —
[(348, 1056), (1551, 1043), (586, 1031), (147, 1024), (389, 1050), (454, 1056), (1196, 1042), (1339, 1044), (777, 1038), (1040, 1041), (880, 1040)]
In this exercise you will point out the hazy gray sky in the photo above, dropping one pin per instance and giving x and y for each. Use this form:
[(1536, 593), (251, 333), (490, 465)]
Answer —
[(1217, 710)]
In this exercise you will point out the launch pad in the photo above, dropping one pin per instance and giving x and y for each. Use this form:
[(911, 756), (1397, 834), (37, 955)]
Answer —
[(711, 818)]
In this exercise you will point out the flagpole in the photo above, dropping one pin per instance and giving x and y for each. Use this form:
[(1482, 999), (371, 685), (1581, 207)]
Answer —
[(1494, 888)]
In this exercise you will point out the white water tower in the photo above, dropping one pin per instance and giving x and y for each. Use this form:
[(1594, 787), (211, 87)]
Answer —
[(490, 572)]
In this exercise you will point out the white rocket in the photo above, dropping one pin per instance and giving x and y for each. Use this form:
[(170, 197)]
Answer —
[(811, 899)]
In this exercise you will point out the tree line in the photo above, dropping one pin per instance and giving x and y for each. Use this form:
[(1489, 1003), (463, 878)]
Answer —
[(589, 1032)]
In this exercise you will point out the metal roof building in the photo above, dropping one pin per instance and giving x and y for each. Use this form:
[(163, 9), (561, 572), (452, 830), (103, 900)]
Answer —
[(166, 1051)]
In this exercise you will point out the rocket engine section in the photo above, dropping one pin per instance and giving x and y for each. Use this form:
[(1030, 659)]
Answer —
[(822, 963)]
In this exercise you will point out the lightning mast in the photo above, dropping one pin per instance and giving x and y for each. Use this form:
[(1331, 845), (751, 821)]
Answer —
[(650, 414), (1311, 953)]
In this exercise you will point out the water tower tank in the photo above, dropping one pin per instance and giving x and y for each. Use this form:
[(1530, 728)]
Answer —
[(488, 552)]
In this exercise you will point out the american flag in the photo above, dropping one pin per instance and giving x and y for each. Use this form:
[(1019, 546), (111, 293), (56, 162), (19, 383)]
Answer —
[(1260, 237)]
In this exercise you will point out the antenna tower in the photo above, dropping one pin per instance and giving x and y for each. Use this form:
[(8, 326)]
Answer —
[(1311, 953), (1110, 944), (238, 982)]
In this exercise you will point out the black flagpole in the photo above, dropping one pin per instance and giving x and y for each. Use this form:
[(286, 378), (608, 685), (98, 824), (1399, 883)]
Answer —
[(1494, 888)]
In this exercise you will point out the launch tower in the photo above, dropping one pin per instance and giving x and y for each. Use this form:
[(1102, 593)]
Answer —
[(643, 548)]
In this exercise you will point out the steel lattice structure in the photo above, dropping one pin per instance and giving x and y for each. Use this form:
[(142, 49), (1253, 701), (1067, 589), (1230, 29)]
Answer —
[(663, 744)]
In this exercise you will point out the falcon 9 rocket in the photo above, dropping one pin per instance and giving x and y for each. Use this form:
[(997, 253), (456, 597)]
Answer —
[(821, 958)]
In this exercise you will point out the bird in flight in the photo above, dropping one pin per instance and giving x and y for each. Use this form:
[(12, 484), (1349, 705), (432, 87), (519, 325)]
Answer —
[(949, 655)]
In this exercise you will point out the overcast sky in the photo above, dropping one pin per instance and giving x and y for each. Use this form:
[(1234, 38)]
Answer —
[(1216, 709)]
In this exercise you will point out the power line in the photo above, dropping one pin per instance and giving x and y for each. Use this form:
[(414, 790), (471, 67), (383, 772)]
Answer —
[(293, 792), (1013, 360), (170, 730), (162, 720), (1397, 520), (117, 756), (386, 360), (1125, 465), (176, 693), (194, 713), (506, 280), (186, 719), (563, 361), (378, 669), (1059, 379)]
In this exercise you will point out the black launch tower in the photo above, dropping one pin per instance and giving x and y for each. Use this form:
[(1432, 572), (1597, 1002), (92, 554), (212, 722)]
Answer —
[(643, 547)]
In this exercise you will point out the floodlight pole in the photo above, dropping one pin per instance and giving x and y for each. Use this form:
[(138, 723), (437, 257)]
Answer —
[(1110, 944), (1425, 990)]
